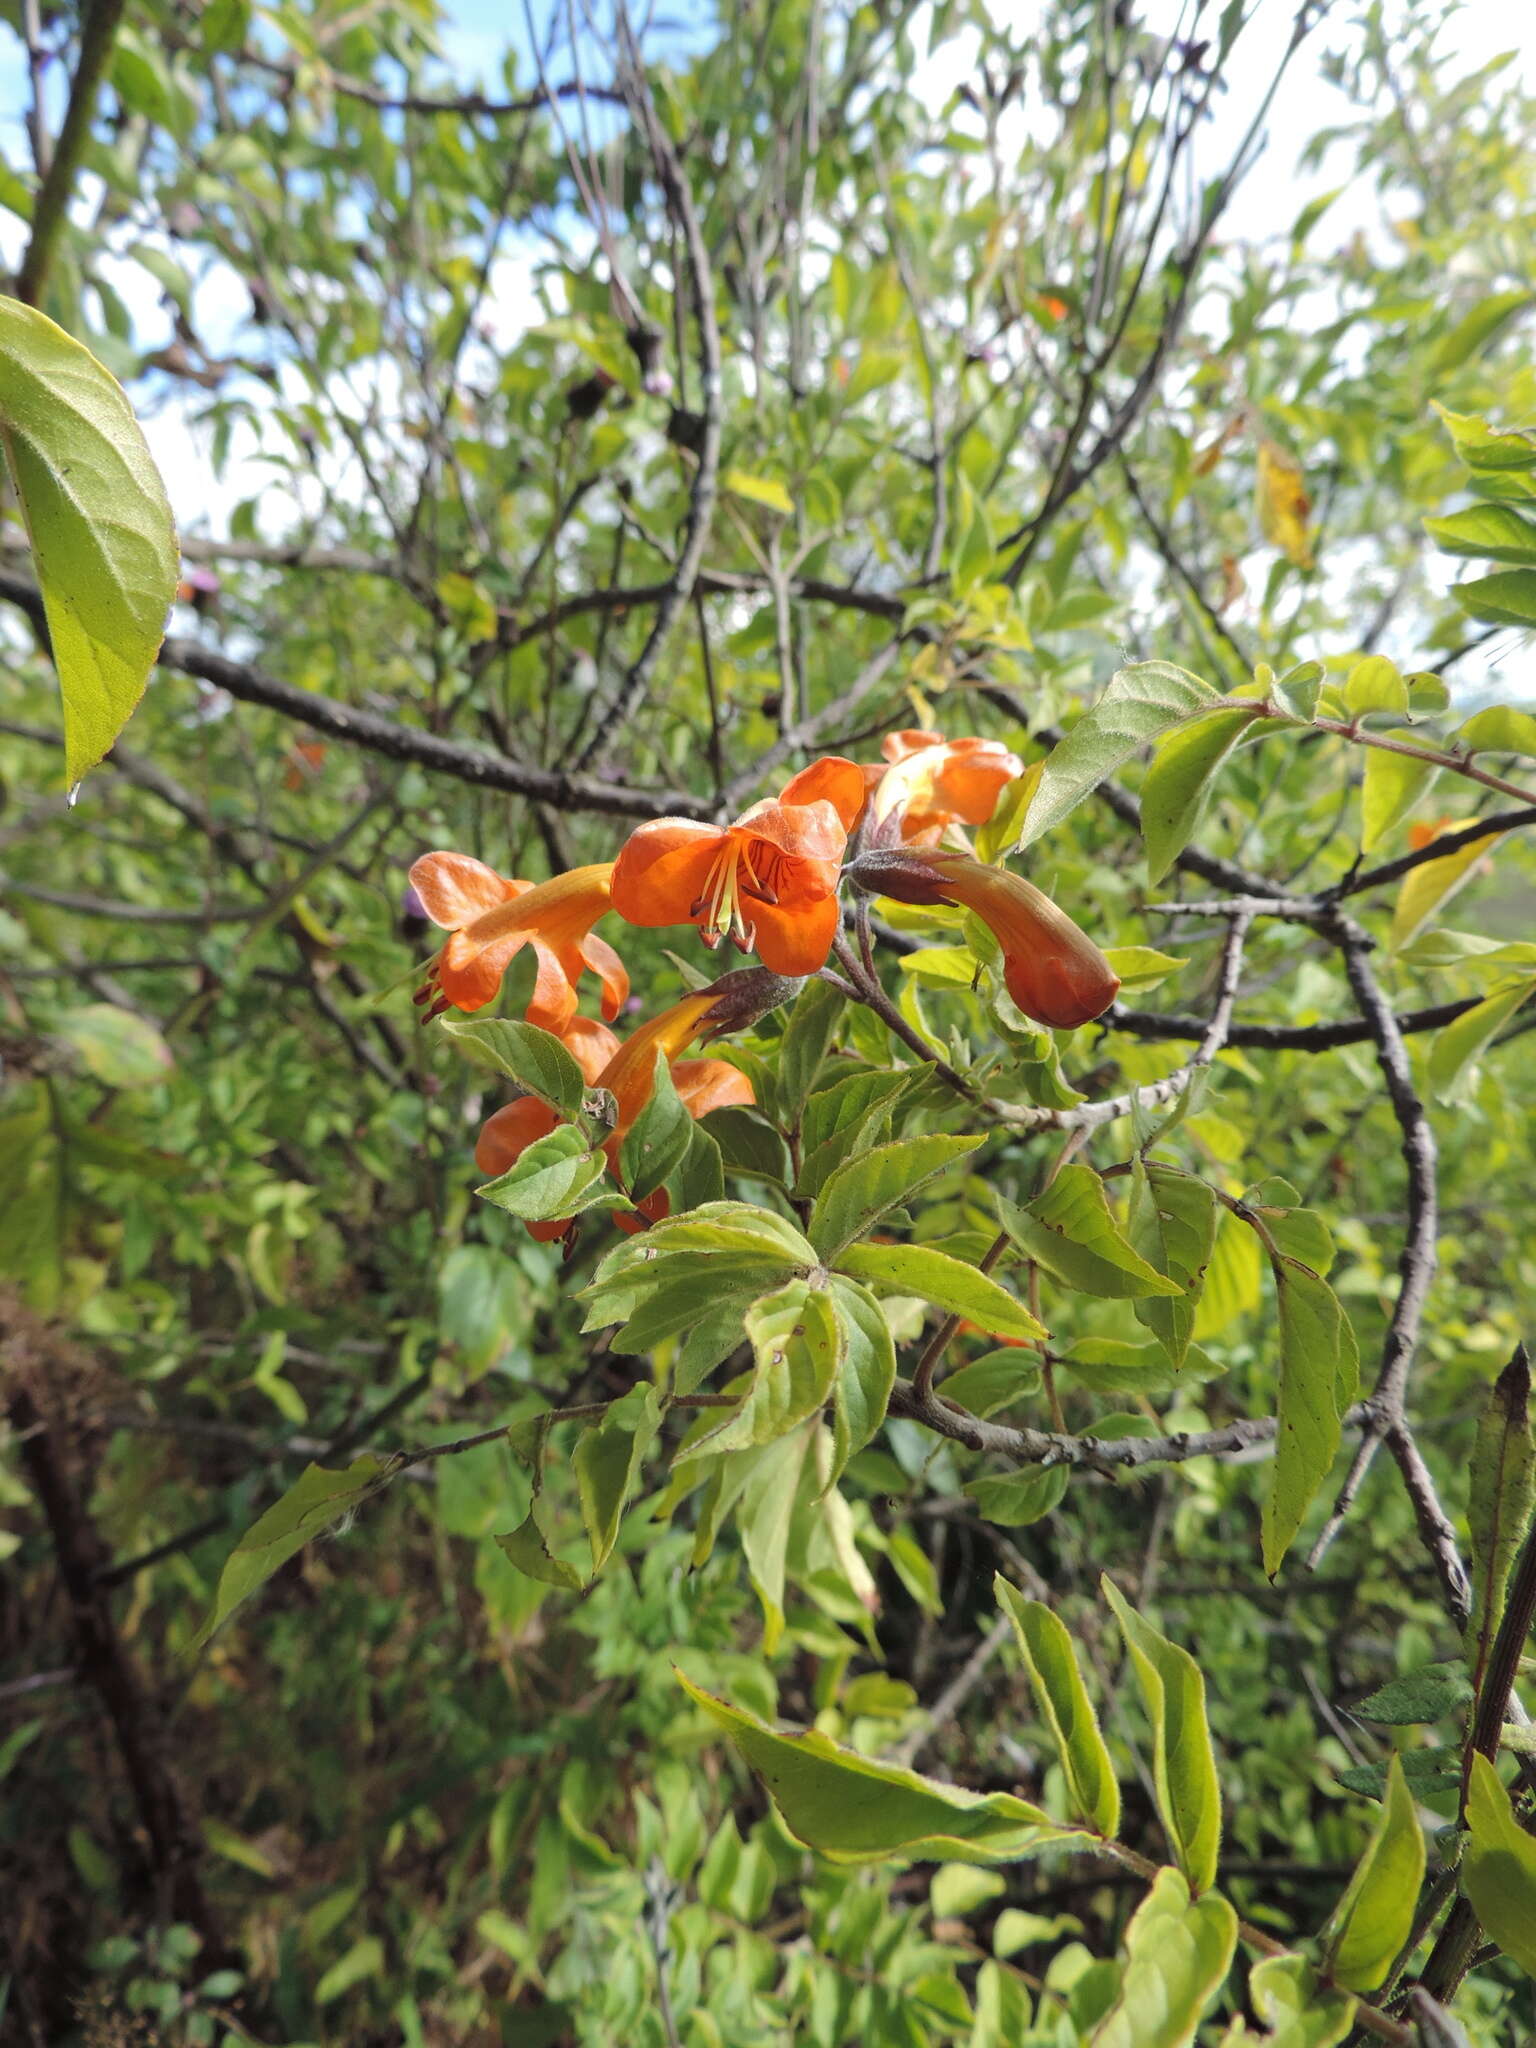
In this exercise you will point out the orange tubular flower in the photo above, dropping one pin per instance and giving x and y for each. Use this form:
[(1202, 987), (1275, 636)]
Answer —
[(489, 919), (1053, 971), (628, 1072), (933, 782), (769, 881)]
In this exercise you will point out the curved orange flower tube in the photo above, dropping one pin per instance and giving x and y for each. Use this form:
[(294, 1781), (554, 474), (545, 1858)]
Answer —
[(490, 919), (628, 1072), (933, 782), (1052, 969), (769, 881)]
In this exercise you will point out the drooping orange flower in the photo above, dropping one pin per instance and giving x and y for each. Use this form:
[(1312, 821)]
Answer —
[(628, 1072), (489, 919), (769, 881), (933, 782), (1052, 969)]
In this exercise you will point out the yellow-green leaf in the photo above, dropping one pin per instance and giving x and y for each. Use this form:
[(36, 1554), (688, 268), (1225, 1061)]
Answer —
[(96, 513), (1498, 1867), (1183, 1766), (1072, 1232), (1375, 1916), (1065, 1708), (1178, 1951), (853, 1810)]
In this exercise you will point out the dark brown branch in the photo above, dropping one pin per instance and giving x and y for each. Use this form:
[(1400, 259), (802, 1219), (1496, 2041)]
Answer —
[(701, 497), (476, 765), (170, 1838), (96, 40), (1282, 1037), (1444, 843)]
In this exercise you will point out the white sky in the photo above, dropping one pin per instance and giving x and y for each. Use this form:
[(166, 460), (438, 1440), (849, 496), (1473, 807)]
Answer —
[(477, 32)]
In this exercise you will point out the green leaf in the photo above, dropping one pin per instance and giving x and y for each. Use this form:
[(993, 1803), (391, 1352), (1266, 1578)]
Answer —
[(1499, 729), (1488, 451), (1051, 1664), (1494, 533), (1472, 333), (655, 1142), (607, 1460), (853, 1116), (316, 1501), (998, 1380), (1391, 786), (103, 541), (1431, 1693), (1436, 1768), (1460, 1044), (115, 1046), (1174, 793), (557, 1176), (1172, 1225), (1428, 886), (1375, 1916), (1506, 598), (527, 1547), (1141, 968), (947, 1282), (864, 1187), (1183, 1767), (1319, 1372), (1177, 1955), (866, 1371), (1375, 684), (1499, 1502), (1071, 1231), (1108, 1365), (1498, 1867), (853, 1810), (748, 1143), (364, 1960), (1015, 1499), (764, 1515), (1141, 703), (1296, 2011), (809, 1032), (796, 1343), (534, 1059), (761, 490)]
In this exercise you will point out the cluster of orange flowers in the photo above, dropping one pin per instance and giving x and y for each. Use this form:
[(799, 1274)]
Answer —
[(768, 883)]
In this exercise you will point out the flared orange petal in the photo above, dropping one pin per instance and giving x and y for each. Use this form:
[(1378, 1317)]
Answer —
[(664, 869), (591, 1045), (455, 889), (610, 970), (470, 975), (703, 1085), (558, 912), (553, 1004), (901, 746), (796, 938), (831, 780), (971, 776), (812, 833), (506, 1136)]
